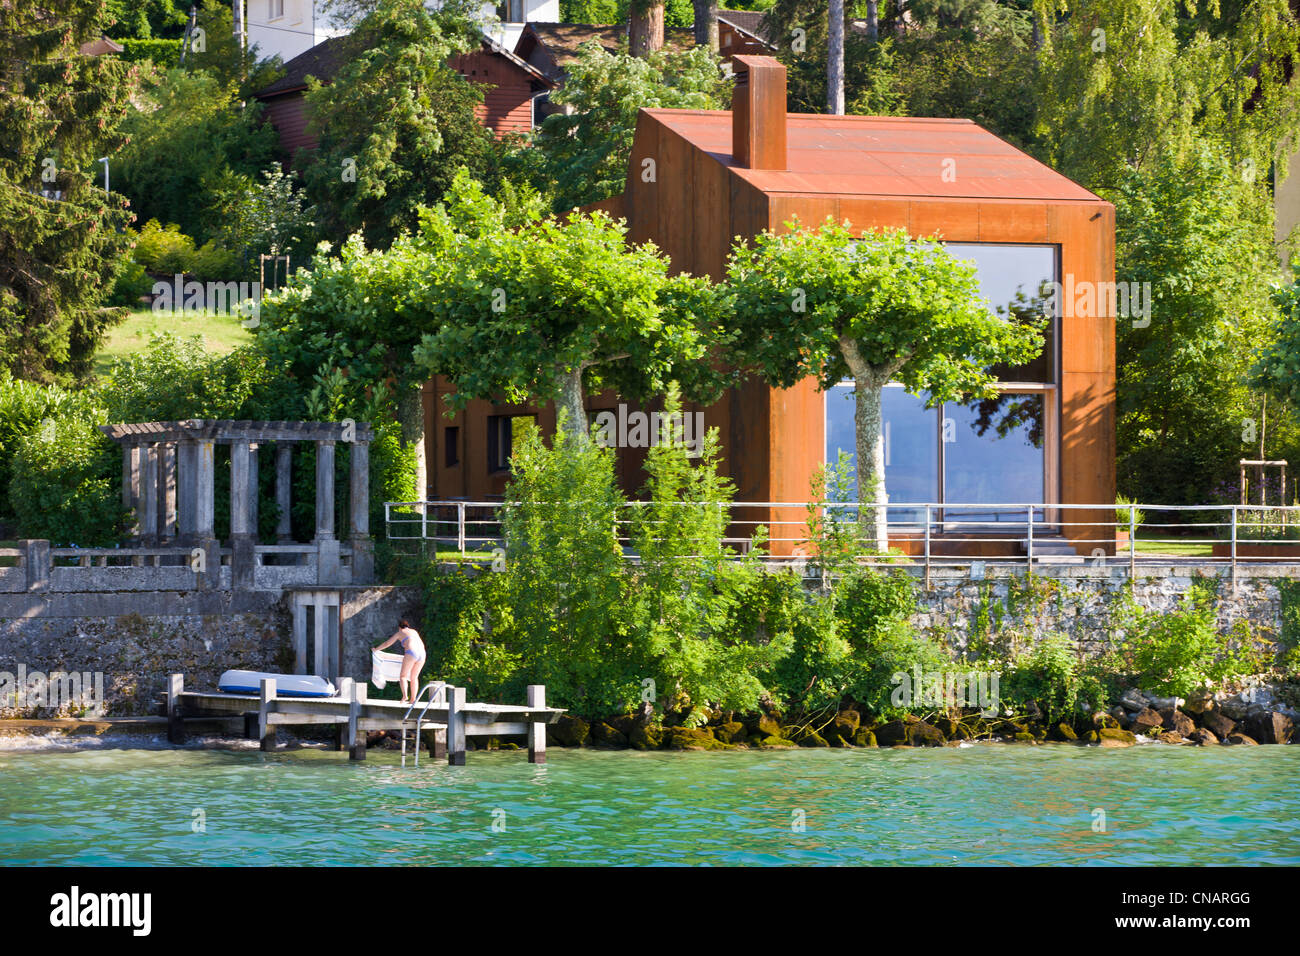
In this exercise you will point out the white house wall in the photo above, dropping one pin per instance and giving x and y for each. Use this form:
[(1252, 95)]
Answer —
[(303, 24)]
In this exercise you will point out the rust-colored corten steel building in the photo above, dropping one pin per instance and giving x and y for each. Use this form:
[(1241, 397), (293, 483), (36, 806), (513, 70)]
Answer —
[(698, 178)]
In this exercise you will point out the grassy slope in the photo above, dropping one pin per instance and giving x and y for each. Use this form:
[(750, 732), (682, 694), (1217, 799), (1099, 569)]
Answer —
[(221, 334)]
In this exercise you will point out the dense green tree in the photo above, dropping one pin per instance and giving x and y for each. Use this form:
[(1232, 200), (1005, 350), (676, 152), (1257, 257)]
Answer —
[(1201, 236), (1126, 83), (1277, 370), (970, 59), (1177, 119), (687, 582), (581, 156), (556, 308), (396, 121), (354, 318), (876, 308), (590, 11), (61, 236), (188, 136), (146, 19)]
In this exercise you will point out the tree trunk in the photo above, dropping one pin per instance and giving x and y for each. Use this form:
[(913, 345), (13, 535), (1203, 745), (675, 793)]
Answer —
[(410, 420), (645, 27), (706, 23), (869, 444), (571, 407), (835, 58), (873, 20)]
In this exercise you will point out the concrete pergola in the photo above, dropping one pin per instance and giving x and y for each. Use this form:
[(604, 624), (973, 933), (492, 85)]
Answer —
[(168, 480)]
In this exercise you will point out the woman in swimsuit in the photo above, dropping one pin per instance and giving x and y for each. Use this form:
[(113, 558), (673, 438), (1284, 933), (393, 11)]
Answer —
[(412, 658)]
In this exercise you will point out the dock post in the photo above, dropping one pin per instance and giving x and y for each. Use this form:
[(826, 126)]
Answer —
[(356, 739), (266, 729), (536, 731), (455, 726), (341, 739), (175, 725)]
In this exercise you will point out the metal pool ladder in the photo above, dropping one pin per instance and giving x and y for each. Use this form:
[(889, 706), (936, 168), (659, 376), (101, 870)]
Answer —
[(437, 691)]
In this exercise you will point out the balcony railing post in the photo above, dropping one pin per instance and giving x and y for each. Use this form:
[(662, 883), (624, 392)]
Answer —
[(927, 547), (1132, 541), (424, 524), (460, 527), (1029, 540), (1234, 547)]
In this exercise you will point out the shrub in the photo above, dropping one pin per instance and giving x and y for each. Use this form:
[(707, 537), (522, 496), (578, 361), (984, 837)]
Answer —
[(874, 609), (1177, 651), (811, 663), (163, 249), (166, 250), (161, 52), (1048, 675), (61, 489), (131, 284), (23, 407), (176, 378), (687, 581), (564, 584)]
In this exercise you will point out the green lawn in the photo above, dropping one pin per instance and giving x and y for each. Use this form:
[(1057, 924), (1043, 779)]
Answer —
[(1184, 549), (221, 333)]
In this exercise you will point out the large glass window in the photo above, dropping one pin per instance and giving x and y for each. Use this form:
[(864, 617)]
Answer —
[(981, 452), (993, 453), (1016, 280), (984, 452)]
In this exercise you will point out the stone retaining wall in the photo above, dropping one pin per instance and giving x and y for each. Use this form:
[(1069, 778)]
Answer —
[(136, 639), (1079, 601)]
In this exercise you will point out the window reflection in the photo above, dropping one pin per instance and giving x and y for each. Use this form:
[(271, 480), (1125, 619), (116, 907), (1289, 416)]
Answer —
[(994, 455), (1017, 281), (985, 451)]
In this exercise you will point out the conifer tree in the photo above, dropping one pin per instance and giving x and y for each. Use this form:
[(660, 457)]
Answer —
[(61, 235)]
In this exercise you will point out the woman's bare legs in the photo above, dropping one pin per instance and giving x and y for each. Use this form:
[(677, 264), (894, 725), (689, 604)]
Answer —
[(410, 675)]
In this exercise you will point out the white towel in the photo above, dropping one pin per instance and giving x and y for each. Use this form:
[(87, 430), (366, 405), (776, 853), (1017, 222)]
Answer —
[(384, 667)]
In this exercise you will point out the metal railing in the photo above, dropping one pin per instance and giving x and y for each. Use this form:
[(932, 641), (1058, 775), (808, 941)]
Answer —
[(935, 534)]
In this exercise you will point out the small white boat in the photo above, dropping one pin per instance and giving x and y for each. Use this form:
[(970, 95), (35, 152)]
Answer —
[(286, 685)]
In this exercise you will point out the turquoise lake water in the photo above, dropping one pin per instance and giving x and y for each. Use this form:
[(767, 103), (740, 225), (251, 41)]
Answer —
[(970, 805)]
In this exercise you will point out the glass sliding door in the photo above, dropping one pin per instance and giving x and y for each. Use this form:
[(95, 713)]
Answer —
[(993, 453), (912, 469)]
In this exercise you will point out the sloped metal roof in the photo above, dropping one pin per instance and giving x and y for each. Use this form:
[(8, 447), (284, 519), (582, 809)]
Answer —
[(883, 156)]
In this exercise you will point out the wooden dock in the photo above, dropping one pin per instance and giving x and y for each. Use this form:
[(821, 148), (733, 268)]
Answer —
[(354, 714)]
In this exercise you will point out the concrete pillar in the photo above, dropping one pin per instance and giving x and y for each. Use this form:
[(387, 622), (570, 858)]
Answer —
[(363, 549), (254, 487), (284, 491), (320, 634), (130, 475), (148, 510), (204, 478), (240, 511), (37, 564), (299, 633), (324, 490), (131, 486), (187, 499), (359, 486), (242, 555), (167, 491)]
